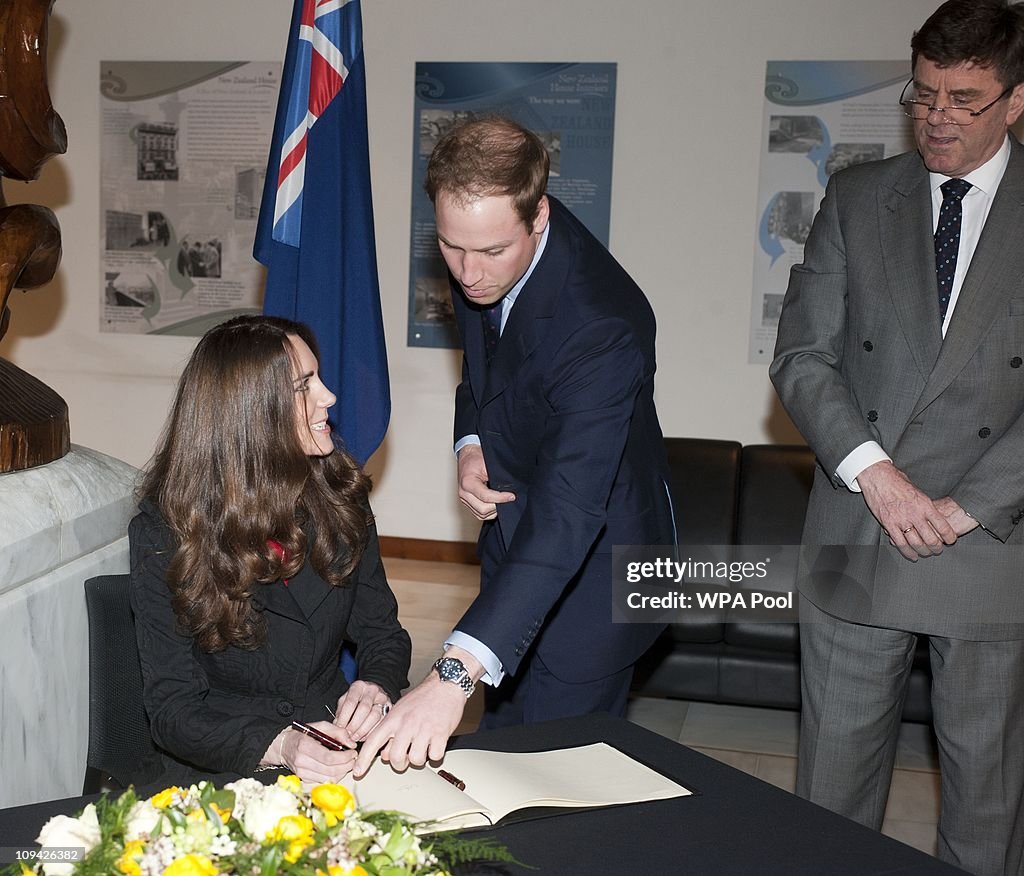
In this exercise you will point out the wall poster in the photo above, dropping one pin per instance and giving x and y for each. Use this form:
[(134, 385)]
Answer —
[(570, 106), (819, 117), (183, 158)]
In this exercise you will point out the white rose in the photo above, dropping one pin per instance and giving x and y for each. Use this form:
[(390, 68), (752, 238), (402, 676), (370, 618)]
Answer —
[(62, 831), (244, 790), (262, 813), (142, 818)]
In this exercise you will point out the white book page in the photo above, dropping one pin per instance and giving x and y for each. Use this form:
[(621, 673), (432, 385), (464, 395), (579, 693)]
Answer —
[(498, 783), (591, 775), (419, 793)]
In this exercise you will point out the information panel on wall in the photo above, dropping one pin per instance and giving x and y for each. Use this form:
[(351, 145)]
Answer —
[(819, 117), (183, 158), (571, 107)]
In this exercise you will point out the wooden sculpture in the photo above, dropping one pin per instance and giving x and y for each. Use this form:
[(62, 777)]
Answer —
[(33, 419)]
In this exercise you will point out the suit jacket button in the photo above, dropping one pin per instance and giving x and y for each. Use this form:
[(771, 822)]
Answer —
[(285, 708), (984, 432), (519, 652), (869, 346), (872, 416), (1016, 362)]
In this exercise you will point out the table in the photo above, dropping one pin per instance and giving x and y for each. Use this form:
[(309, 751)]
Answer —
[(735, 824)]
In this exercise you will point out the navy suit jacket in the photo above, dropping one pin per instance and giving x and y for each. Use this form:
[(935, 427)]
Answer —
[(566, 419)]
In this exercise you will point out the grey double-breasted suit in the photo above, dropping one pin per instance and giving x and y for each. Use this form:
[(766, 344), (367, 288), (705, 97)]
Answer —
[(860, 357)]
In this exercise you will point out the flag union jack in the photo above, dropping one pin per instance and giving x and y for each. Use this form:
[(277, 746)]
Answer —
[(318, 174), (327, 46)]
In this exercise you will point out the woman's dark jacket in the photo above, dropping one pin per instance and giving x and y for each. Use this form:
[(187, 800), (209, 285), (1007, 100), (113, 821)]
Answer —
[(220, 711)]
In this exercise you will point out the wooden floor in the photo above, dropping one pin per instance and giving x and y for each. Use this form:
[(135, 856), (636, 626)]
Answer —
[(431, 598)]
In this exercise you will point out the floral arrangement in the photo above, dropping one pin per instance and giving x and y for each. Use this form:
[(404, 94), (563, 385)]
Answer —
[(251, 828)]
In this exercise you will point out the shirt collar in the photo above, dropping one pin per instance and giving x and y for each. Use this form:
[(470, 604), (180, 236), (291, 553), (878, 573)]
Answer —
[(513, 293), (987, 177)]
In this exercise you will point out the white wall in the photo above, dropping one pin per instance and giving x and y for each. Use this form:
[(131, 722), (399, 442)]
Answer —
[(687, 142)]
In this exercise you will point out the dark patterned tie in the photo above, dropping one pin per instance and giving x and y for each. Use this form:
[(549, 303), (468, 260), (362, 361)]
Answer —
[(947, 239), (492, 329)]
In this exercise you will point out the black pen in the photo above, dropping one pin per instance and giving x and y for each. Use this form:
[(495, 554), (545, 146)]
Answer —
[(325, 740)]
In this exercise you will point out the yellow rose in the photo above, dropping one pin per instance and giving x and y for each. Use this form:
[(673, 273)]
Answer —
[(335, 801), (127, 863), (297, 831), (191, 865), (290, 783), (165, 798), (198, 815), (225, 814), (292, 827), (338, 870), (294, 850)]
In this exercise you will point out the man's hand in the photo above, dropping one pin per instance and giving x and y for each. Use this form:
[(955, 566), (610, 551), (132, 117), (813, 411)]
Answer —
[(960, 520), (420, 724), (473, 490), (915, 526), (417, 728), (361, 708), (307, 758)]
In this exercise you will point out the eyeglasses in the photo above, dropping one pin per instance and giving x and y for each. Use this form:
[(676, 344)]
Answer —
[(955, 115)]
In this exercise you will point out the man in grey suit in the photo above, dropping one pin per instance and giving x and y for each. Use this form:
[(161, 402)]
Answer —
[(899, 358)]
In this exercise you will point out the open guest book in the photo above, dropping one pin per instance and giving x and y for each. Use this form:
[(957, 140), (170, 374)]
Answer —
[(500, 783)]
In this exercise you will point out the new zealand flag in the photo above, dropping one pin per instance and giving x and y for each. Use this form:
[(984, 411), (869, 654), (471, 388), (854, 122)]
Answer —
[(315, 230)]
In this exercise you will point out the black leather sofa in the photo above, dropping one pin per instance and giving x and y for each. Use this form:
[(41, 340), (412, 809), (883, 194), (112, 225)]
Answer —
[(726, 493)]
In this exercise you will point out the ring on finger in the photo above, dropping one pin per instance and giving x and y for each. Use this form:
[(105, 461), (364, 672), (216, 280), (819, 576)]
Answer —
[(905, 531), (384, 709)]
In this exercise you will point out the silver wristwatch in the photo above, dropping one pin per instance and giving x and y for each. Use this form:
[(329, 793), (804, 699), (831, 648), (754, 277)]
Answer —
[(454, 671)]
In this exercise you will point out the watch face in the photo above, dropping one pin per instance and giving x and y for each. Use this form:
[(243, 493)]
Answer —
[(449, 668), (453, 670)]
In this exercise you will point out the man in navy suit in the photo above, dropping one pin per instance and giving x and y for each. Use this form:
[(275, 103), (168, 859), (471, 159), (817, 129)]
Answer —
[(560, 452)]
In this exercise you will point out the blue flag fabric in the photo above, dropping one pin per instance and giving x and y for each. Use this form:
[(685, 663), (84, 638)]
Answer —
[(315, 228)]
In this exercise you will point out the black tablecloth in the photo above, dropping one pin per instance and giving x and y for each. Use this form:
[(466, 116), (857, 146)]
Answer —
[(735, 824)]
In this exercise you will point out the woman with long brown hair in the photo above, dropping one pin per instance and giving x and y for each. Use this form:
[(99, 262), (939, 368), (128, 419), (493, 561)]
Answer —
[(253, 558)]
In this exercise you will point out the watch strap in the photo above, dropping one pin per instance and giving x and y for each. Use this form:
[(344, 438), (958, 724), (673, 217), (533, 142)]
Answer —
[(462, 678)]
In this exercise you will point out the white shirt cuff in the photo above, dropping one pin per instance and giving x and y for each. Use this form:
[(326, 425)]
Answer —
[(465, 442), (493, 673), (859, 459)]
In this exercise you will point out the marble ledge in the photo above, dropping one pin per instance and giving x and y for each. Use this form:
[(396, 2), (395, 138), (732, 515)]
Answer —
[(59, 512), (44, 679)]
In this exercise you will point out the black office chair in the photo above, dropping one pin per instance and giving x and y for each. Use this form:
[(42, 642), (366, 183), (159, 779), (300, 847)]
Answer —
[(121, 749)]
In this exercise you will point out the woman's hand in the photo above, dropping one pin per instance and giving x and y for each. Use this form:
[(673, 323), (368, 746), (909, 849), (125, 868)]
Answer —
[(307, 758), (361, 708)]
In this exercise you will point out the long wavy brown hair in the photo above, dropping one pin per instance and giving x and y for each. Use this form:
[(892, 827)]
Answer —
[(230, 477)]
